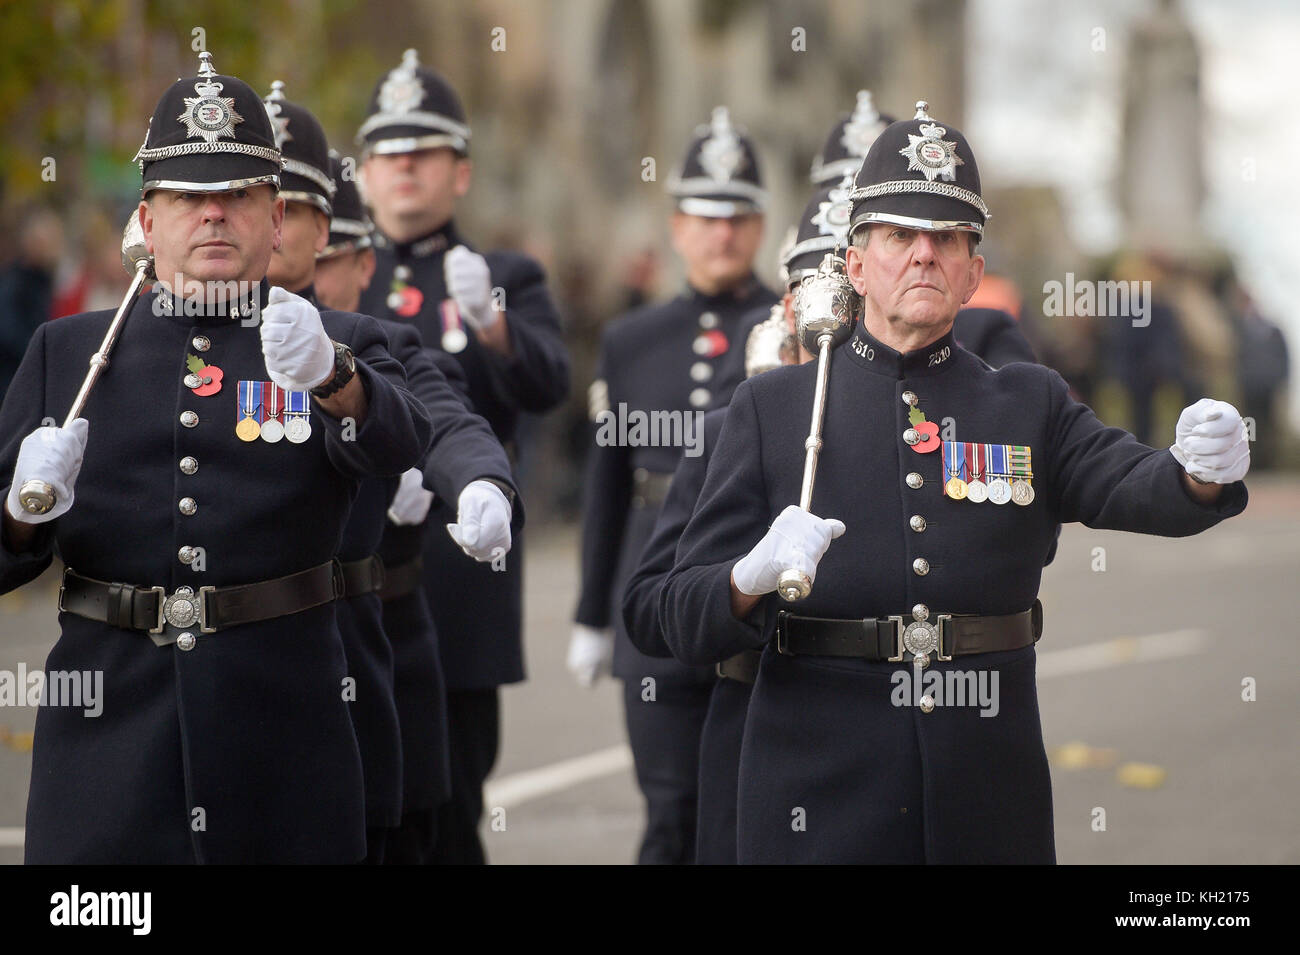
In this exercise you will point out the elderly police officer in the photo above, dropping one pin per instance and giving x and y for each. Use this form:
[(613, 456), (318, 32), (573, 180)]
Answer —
[(944, 543), (200, 574), (493, 314), (658, 361)]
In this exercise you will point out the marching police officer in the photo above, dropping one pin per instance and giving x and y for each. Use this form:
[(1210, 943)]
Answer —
[(464, 460), (944, 541), (493, 314), (664, 359), (200, 549)]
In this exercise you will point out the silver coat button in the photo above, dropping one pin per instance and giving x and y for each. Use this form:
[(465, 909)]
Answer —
[(640, 474), (920, 613), (708, 320), (912, 436), (701, 397), (189, 464), (914, 479), (188, 506), (186, 641), (201, 343), (701, 371), (927, 704), (920, 566), (189, 419), (193, 381), (909, 398), (186, 554), (917, 523), (402, 273)]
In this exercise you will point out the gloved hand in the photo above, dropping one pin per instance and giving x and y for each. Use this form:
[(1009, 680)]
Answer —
[(796, 540), (52, 455), (591, 653), (1210, 442), (482, 520), (411, 502), (299, 355), (470, 284)]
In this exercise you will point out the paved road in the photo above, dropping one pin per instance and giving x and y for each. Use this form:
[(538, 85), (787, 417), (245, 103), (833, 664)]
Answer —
[(1140, 684)]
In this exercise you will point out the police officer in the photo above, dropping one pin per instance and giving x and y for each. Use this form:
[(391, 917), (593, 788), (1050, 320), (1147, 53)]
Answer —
[(464, 459), (663, 359), (493, 314), (343, 271), (200, 576), (943, 547)]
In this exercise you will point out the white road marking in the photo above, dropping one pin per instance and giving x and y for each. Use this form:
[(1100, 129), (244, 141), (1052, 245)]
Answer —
[(518, 788), (1110, 653), (522, 787)]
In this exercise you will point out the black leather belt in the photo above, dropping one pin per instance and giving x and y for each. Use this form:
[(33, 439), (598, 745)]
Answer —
[(743, 667), (888, 639), (151, 610), (649, 488), (362, 576), (402, 579)]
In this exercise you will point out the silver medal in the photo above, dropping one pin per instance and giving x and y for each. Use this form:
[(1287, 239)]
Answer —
[(999, 491), (272, 430), (977, 491), (1022, 493), (454, 340), (297, 429)]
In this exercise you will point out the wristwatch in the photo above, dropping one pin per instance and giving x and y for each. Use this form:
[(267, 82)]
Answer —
[(345, 366)]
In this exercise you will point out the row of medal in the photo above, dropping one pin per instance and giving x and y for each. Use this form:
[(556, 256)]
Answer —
[(269, 412), (988, 472)]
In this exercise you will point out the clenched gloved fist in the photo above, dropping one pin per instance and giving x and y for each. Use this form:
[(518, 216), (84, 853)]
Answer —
[(591, 653), (411, 502), (796, 540), (470, 284), (299, 355), (52, 455), (482, 521), (1210, 442)]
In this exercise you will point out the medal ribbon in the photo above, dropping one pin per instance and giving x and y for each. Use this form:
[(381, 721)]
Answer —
[(975, 456), (450, 315), (296, 403), (998, 460), (247, 406), (271, 400), (1020, 461)]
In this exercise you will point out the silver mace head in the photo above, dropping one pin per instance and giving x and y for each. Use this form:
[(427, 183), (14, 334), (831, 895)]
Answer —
[(763, 347), (825, 303), (134, 250)]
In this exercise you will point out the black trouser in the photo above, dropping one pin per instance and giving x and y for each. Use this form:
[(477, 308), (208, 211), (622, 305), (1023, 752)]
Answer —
[(474, 721), (665, 738), (411, 843)]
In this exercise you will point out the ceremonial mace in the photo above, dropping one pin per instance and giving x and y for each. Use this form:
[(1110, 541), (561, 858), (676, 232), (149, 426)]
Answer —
[(826, 308), (37, 496)]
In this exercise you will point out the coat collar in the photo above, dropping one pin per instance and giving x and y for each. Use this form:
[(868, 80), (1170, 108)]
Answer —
[(866, 350)]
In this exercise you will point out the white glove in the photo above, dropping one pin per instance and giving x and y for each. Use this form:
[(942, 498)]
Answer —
[(1210, 442), (411, 502), (482, 520), (470, 284), (796, 540), (52, 455), (591, 653), (299, 355)]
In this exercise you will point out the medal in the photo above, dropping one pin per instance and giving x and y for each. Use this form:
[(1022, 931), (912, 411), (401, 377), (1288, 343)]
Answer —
[(1022, 493), (272, 428), (977, 490), (297, 427), (954, 465), (203, 379), (454, 338), (247, 427), (999, 491)]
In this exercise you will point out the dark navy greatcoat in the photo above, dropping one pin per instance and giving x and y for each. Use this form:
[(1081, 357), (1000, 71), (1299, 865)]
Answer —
[(242, 748), (649, 364), (831, 771), (463, 449), (479, 611)]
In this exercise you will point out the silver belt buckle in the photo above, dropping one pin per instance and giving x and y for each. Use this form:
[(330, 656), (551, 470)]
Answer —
[(922, 638), (184, 609)]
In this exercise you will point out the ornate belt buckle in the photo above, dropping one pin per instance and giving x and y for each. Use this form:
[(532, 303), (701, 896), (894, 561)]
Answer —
[(181, 609), (921, 638)]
